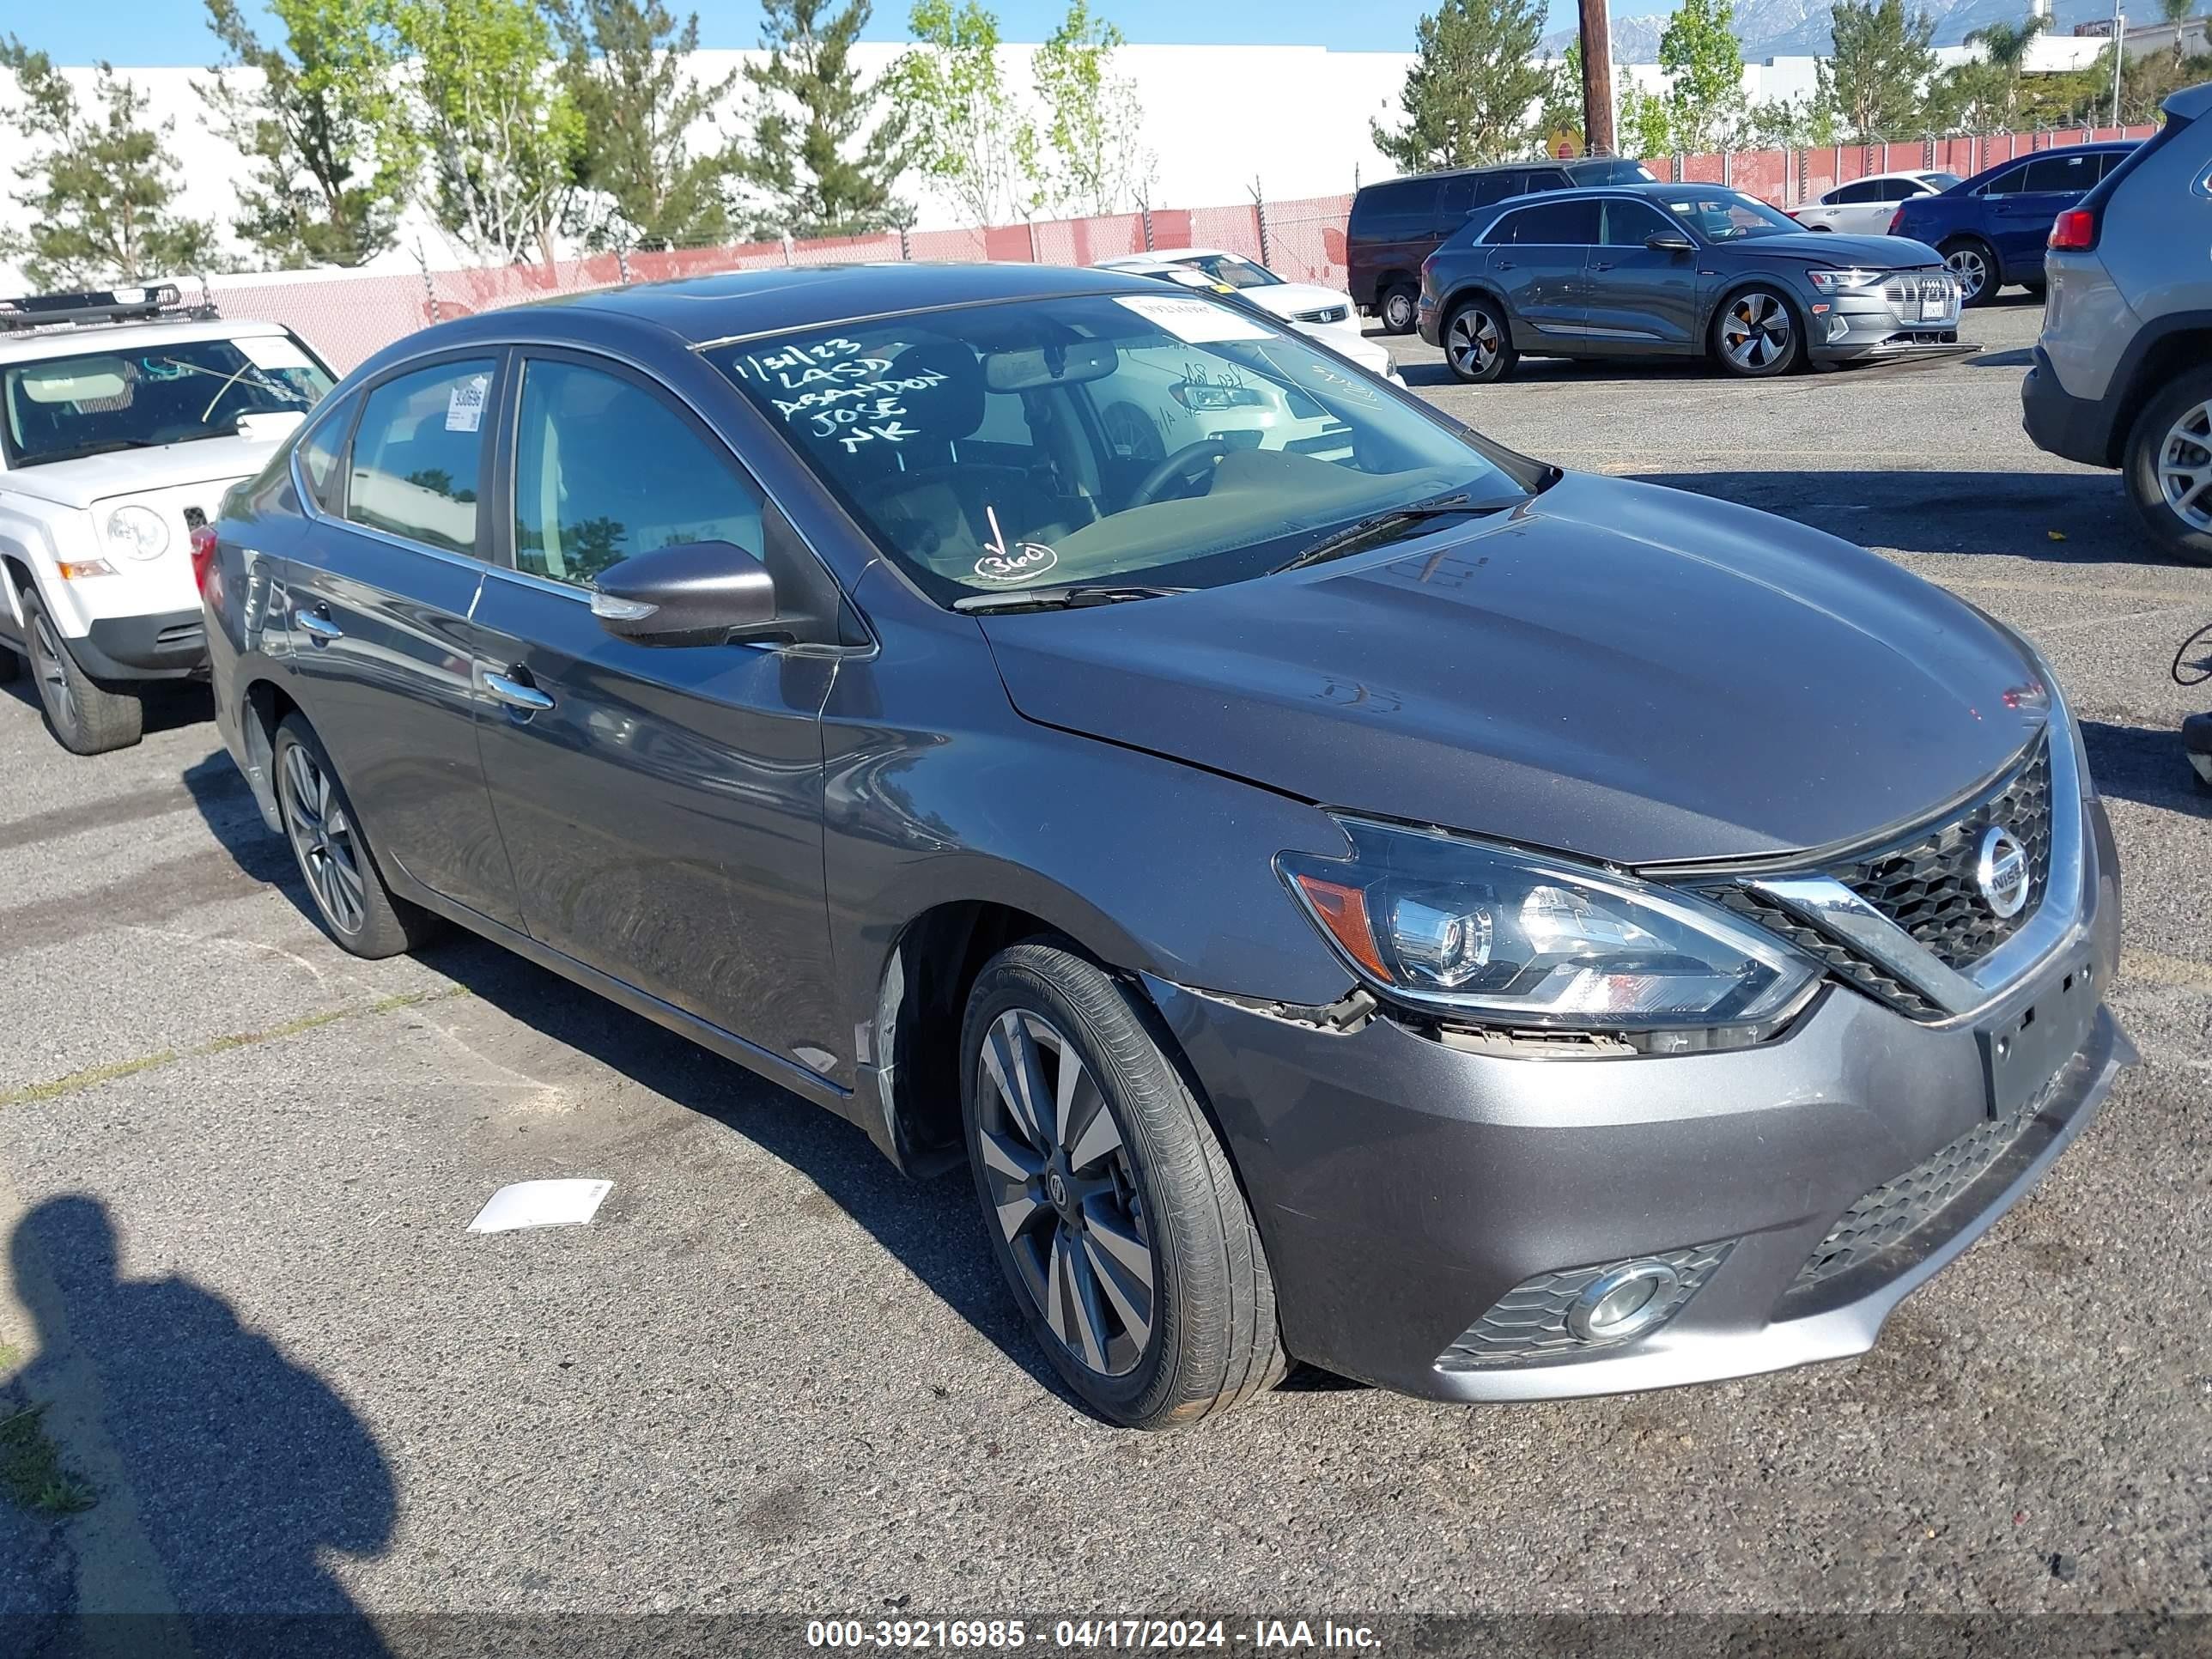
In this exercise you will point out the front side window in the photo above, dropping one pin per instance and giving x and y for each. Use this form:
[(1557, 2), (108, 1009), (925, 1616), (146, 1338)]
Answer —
[(417, 455), (1632, 224), (1164, 440), (1866, 190), (604, 469), (139, 397), (1727, 215), (2008, 183), (1566, 224), (1237, 273)]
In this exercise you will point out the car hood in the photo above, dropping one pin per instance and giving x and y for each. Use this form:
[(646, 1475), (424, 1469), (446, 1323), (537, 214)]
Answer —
[(1288, 298), (130, 471), (1826, 247), (1617, 670)]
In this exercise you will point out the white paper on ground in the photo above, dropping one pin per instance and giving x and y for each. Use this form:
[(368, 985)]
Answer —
[(541, 1204)]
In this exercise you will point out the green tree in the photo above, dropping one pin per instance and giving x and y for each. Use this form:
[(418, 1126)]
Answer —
[(491, 121), (1794, 122), (100, 187), (2177, 13), (1972, 97), (1883, 68), (1704, 72), (2004, 52), (313, 116), (626, 71), (1642, 120), (1093, 159), (1563, 97), (967, 137), (828, 148), (1474, 82)]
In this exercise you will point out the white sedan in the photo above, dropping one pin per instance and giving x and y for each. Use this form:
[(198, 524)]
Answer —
[(1865, 206), (1322, 312)]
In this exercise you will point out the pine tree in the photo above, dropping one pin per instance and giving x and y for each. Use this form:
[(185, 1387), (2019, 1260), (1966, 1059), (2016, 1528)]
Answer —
[(826, 148), (1469, 97), (1883, 68)]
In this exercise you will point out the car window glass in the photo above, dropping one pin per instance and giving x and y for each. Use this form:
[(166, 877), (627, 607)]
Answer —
[(1864, 190), (604, 469), (1492, 187), (1399, 209), (2061, 172), (1899, 190), (2007, 183), (1547, 178), (1454, 197), (319, 455), (417, 455), (1631, 224), (1565, 224)]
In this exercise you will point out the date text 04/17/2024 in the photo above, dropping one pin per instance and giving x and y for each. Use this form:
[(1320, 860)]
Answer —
[(1158, 1635)]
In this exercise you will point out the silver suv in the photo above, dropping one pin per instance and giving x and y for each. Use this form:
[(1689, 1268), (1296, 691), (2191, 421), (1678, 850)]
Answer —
[(2122, 374)]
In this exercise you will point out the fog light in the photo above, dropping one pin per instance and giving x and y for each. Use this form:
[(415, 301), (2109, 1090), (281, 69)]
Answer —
[(1616, 1305)]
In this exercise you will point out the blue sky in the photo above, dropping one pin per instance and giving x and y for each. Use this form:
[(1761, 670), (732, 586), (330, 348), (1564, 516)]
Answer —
[(175, 32)]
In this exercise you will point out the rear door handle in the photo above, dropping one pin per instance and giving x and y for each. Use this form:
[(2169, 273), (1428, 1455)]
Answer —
[(515, 694), (1502, 264), (317, 625), (1607, 265)]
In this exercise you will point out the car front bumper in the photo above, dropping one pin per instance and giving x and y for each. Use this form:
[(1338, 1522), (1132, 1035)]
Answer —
[(172, 645), (1409, 1191)]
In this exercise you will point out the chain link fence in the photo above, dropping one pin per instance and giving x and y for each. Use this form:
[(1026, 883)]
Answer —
[(349, 317)]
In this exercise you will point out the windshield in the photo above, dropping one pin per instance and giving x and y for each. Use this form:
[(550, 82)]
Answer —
[(1162, 439), (1942, 180), (1726, 216), (59, 409), (1237, 273)]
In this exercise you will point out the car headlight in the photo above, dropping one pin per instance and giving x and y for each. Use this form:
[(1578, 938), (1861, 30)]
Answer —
[(1391, 372), (137, 532), (1836, 281), (1501, 936)]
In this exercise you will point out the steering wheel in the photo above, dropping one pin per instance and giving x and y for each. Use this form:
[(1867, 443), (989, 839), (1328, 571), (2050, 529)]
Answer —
[(1183, 464)]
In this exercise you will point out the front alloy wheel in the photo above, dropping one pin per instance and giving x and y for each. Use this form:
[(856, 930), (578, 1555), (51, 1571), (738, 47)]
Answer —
[(1755, 336)]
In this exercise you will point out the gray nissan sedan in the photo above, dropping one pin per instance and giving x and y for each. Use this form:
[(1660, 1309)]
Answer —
[(1347, 892)]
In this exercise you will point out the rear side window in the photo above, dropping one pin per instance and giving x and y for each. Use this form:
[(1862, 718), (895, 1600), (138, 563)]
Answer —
[(418, 455), (2126, 161), (319, 455), (1402, 207), (1454, 197), (1551, 223), (2060, 174)]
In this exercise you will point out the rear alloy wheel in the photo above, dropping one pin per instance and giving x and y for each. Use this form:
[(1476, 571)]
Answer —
[(1111, 1206), (1755, 335), (86, 717), (1478, 347), (2169, 467), (1398, 310), (1976, 268), (352, 901)]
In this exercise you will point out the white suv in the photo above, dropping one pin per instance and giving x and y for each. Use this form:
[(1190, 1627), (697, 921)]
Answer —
[(124, 418)]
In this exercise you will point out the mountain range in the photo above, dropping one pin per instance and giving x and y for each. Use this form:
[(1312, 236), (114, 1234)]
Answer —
[(1801, 28)]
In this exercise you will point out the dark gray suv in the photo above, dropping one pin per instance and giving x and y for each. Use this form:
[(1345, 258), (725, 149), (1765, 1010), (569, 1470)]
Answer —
[(1347, 892)]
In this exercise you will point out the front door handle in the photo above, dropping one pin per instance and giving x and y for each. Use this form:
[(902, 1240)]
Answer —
[(1607, 265), (317, 625), (1502, 264), (515, 694)]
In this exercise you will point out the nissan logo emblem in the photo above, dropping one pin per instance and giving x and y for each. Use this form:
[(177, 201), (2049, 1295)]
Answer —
[(2001, 872)]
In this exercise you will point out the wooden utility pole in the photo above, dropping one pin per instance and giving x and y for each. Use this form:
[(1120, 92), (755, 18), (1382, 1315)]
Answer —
[(1597, 78)]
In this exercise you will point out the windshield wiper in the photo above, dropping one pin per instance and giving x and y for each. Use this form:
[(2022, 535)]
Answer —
[(1069, 596), (1365, 531)]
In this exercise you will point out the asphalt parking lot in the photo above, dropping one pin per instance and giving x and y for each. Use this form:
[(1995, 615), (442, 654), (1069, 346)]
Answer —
[(774, 1375)]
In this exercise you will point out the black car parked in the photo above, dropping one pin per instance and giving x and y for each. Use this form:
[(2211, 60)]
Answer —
[(1345, 891), (1398, 223), (1682, 271)]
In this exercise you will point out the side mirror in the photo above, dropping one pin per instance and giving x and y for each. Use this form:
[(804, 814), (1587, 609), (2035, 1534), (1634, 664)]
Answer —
[(691, 594), (1661, 242)]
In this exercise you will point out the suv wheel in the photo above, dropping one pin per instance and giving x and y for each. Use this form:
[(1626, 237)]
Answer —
[(352, 901), (1110, 1205), (1397, 310), (2169, 466), (10, 665), (85, 717), (1755, 335), (1976, 267), (1478, 345)]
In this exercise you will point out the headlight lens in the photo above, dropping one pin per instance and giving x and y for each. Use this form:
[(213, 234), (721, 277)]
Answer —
[(1504, 937), (1833, 282), (137, 532)]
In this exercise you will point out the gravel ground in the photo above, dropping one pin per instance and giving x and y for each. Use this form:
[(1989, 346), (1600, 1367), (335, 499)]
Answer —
[(775, 1377)]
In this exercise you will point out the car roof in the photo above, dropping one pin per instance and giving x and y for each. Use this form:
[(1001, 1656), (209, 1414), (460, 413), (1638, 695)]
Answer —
[(1565, 164), (2190, 101), (36, 346)]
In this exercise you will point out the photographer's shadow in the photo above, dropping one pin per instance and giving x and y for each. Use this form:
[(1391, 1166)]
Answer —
[(243, 1467)]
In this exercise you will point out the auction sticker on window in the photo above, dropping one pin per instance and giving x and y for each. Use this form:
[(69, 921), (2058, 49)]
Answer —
[(1196, 321), (464, 404)]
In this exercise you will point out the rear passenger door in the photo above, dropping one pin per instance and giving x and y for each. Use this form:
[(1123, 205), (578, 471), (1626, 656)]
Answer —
[(1537, 260), (2020, 215), (662, 805), (376, 621)]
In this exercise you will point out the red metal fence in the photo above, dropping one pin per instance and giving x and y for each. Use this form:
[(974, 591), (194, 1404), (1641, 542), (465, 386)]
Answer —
[(349, 317)]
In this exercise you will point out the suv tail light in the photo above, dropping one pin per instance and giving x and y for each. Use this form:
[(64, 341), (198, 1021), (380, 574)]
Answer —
[(2075, 231), (203, 555)]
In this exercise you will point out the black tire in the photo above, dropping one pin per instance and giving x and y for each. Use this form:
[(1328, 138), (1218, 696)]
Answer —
[(1486, 353), (1209, 1338), (10, 665), (2171, 421), (1966, 256), (1756, 334), (86, 717), (345, 888), (1397, 308)]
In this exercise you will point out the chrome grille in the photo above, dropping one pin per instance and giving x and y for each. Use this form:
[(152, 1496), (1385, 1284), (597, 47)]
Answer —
[(1325, 314), (1925, 882), (1833, 954), (1922, 299), (1529, 1322)]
